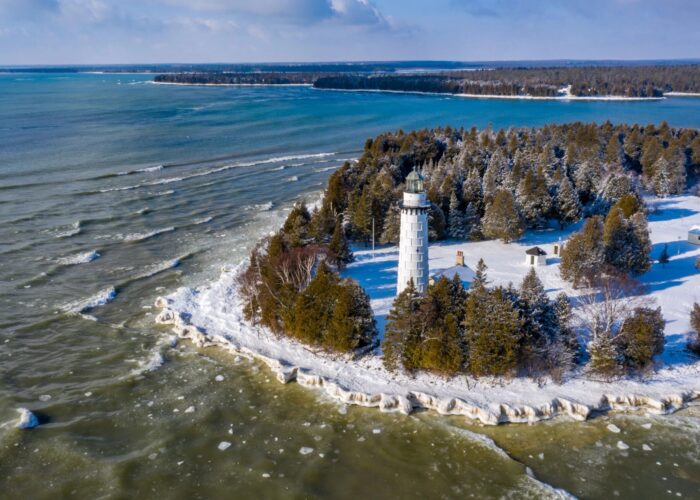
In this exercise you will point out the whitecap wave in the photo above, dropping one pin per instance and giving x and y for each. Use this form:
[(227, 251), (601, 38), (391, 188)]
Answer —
[(84, 305), (74, 229), (293, 178), (152, 363), (141, 170), (79, 258), (169, 180), (203, 220), (135, 237)]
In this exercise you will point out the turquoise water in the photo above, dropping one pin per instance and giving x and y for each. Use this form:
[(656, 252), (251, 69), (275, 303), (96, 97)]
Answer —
[(114, 190)]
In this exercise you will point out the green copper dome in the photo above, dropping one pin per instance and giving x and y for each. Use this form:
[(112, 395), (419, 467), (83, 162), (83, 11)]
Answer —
[(414, 182)]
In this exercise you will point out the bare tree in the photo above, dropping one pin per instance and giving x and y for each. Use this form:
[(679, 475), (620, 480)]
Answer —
[(613, 298)]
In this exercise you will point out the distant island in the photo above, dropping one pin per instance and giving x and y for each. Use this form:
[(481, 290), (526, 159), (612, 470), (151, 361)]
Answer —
[(584, 82), (575, 313)]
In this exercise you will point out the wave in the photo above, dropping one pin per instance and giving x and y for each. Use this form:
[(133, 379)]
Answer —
[(169, 180), (140, 171), (84, 305), (75, 229), (203, 220), (152, 363), (135, 237), (79, 258), (261, 207), (293, 178)]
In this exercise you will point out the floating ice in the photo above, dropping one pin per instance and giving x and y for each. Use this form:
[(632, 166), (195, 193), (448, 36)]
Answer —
[(219, 378), (224, 445), (622, 446), (305, 450), (646, 447), (27, 420), (613, 428)]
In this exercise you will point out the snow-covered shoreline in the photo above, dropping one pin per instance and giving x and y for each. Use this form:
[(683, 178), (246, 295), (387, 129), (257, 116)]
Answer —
[(211, 316), (563, 97)]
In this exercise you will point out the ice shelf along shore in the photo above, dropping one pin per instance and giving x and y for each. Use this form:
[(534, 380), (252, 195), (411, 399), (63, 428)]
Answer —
[(211, 316)]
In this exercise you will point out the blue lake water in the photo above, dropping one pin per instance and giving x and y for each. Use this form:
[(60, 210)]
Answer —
[(114, 190)]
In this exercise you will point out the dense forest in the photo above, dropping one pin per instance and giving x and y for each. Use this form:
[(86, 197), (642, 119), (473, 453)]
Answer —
[(626, 81), (483, 184), (217, 78)]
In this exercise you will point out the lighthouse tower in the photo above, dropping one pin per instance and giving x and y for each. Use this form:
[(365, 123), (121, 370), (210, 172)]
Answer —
[(413, 243)]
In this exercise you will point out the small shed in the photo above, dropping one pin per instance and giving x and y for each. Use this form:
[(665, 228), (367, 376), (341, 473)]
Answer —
[(557, 249), (535, 256), (694, 235)]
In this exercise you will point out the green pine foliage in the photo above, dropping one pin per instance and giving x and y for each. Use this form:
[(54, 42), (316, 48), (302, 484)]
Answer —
[(605, 359), (339, 248), (502, 220), (641, 337)]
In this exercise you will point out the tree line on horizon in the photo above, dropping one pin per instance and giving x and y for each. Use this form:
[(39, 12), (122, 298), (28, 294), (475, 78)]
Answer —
[(622, 81)]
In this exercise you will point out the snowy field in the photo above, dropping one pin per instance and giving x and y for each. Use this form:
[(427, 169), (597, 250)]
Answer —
[(211, 316)]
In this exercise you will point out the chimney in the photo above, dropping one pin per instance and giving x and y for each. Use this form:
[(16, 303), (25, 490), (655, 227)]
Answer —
[(460, 258)]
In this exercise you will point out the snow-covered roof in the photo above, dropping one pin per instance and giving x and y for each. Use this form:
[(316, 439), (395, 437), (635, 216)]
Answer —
[(535, 251), (695, 230), (465, 273)]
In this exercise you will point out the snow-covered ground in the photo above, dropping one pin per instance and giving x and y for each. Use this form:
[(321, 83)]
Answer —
[(212, 316)]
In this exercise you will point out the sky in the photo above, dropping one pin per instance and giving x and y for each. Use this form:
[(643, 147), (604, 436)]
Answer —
[(40, 32)]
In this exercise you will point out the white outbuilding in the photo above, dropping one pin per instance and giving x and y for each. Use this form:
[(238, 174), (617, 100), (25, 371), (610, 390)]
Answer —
[(694, 235), (535, 256)]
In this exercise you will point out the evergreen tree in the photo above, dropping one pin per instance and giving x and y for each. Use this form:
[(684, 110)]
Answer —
[(534, 199), (669, 175), (605, 360), (471, 223), (457, 227), (339, 249), (587, 177), (436, 223), (402, 333), (391, 231), (493, 332), (583, 255), (613, 152), (441, 313), (567, 335), (480, 279), (641, 337), (568, 206), (641, 244), (296, 226), (313, 307), (471, 191), (502, 219)]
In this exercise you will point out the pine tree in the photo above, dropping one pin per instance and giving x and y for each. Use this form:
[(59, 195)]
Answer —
[(534, 199), (457, 227), (664, 257), (641, 337), (480, 279), (402, 333), (471, 223), (296, 226), (441, 347), (583, 255), (641, 244), (502, 219), (567, 335), (587, 177), (613, 152), (669, 175), (471, 191), (391, 231), (339, 248), (436, 223), (605, 360), (493, 332), (568, 206)]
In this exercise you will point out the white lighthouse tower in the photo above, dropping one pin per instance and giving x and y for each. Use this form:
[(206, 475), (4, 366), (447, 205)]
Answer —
[(413, 242)]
